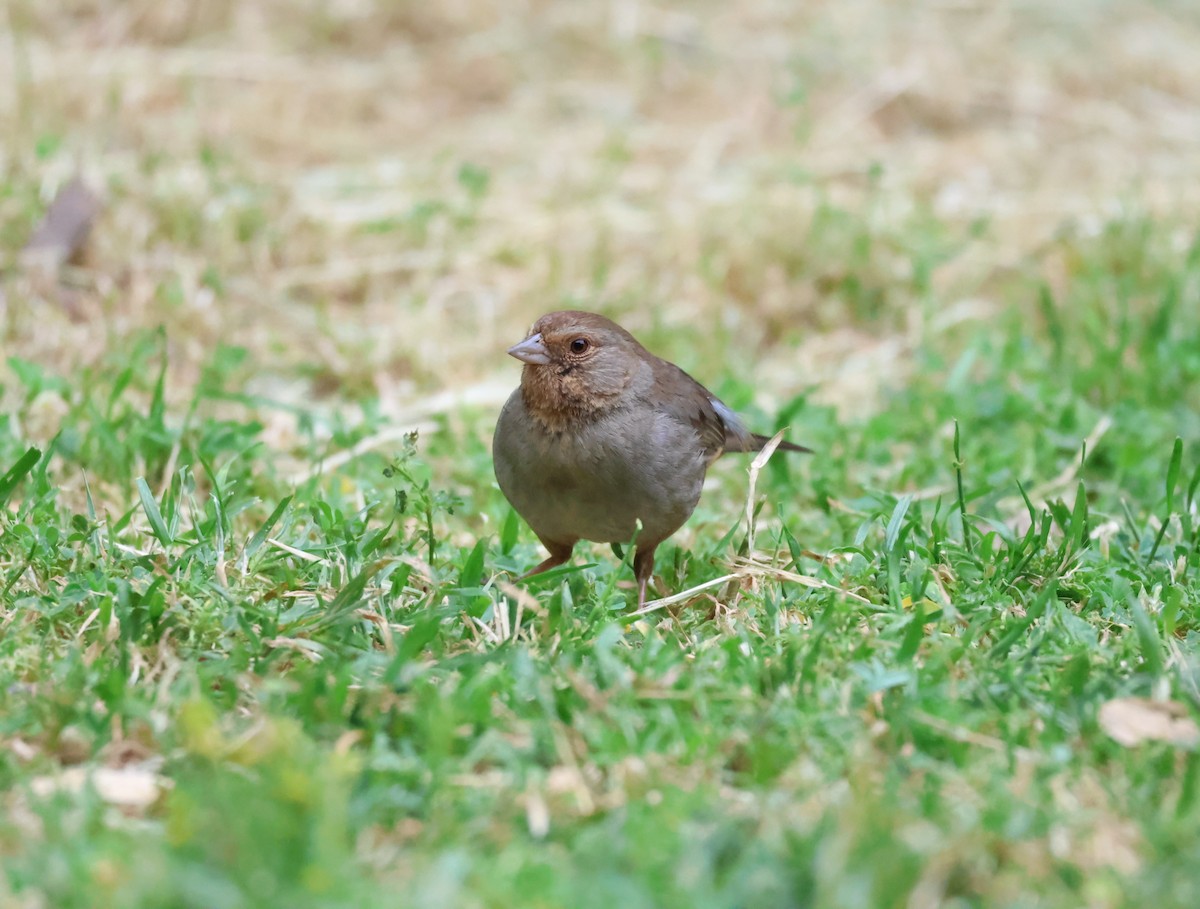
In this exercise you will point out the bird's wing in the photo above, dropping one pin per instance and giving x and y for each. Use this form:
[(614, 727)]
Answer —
[(688, 401)]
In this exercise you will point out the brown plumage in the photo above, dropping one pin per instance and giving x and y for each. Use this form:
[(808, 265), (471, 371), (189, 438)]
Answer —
[(601, 434)]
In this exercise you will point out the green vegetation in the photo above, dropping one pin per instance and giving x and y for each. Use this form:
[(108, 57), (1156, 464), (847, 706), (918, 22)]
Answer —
[(261, 645)]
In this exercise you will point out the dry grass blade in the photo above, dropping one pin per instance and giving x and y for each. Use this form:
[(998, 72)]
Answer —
[(292, 550), (756, 465), (971, 737), (758, 569), (663, 602), (748, 569)]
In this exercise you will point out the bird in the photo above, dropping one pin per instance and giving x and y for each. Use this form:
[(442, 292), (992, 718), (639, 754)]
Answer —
[(604, 441)]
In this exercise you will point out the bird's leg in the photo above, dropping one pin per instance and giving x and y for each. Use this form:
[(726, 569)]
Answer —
[(559, 553), (643, 567)]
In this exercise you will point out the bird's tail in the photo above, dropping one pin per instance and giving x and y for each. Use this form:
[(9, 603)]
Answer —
[(784, 445), (752, 442)]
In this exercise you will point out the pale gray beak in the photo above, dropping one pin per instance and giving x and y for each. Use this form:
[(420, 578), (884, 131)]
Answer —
[(531, 350)]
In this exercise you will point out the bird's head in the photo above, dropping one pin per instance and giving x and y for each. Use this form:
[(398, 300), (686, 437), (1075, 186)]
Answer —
[(576, 363)]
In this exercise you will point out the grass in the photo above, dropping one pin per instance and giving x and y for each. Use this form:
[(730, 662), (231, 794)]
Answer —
[(260, 642)]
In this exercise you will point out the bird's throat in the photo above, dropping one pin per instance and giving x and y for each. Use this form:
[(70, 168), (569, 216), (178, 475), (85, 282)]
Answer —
[(559, 401)]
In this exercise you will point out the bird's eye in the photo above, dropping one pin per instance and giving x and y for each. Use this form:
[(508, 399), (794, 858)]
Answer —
[(579, 345)]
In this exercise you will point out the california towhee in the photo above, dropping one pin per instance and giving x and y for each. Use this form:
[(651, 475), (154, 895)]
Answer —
[(602, 434)]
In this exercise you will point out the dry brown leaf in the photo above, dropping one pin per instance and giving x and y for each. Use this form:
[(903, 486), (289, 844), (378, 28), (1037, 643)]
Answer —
[(22, 750), (132, 788), (1132, 721)]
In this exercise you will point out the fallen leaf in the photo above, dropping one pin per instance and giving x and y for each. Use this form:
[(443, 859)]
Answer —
[(22, 750), (1132, 721), (131, 788)]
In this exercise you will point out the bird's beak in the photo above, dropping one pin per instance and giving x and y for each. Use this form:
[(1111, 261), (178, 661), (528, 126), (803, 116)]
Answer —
[(531, 350)]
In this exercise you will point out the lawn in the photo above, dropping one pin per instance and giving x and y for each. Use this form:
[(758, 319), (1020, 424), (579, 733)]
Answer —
[(262, 641)]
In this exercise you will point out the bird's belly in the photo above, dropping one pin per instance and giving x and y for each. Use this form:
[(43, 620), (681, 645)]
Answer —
[(598, 485), (569, 506)]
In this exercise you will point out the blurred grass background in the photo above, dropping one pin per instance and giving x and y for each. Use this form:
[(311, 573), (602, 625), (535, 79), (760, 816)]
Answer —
[(378, 196)]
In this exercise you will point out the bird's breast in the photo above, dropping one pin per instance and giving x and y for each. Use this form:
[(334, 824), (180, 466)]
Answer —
[(596, 479)]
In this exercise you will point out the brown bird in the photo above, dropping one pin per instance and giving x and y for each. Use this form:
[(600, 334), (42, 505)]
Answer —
[(602, 434)]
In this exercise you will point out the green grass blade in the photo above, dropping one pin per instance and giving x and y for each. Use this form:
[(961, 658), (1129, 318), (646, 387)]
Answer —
[(913, 635), (1172, 479), (1173, 470), (472, 570), (263, 532), (17, 473), (896, 522), (962, 499), (153, 515), (509, 531), (1079, 519), (1028, 504), (1149, 641)]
